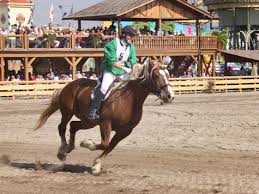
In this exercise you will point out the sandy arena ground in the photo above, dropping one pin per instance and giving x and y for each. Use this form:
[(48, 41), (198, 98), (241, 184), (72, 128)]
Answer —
[(206, 143)]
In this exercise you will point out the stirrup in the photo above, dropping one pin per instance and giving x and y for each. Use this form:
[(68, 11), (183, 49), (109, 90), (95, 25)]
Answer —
[(93, 116)]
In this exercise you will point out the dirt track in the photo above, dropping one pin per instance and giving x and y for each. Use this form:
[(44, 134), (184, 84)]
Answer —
[(198, 144)]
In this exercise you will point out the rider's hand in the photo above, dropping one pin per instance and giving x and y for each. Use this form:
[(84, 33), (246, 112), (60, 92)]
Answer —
[(127, 70)]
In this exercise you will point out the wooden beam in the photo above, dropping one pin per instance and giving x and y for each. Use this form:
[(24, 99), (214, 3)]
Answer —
[(79, 24), (196, 61), (70, 63), (73, 68), (31, 61), (145, 58), (2, 69), (214, 65), (119, 26), (78, 60), (155, 58), (26, 68), (159, 25), (74, 64)]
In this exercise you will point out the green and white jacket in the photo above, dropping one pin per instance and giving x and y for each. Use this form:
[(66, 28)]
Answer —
[(116, 52)]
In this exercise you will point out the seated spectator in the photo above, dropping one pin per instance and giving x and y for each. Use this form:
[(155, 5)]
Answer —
[(78, 75), (93, 76)]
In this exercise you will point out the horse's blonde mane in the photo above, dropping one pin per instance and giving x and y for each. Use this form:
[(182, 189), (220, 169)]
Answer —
[(139, 71), (135, 74)]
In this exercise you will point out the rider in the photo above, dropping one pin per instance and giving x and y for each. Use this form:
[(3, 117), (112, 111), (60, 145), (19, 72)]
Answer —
[(119, 57)]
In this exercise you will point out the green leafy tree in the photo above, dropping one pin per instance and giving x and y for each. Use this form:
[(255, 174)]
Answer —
[(141, 25), (222, 38), (168, 26)]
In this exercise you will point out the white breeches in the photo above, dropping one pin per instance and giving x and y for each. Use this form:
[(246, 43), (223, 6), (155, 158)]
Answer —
[(108, 79)]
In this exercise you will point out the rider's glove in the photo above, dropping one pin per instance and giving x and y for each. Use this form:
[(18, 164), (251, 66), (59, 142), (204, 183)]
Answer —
[(127, 70)]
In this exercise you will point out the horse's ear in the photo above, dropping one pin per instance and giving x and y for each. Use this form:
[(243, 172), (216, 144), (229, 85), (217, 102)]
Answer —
[(137, 70), (146, 61)]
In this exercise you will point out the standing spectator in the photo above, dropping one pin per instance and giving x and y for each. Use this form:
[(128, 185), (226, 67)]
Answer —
[(112, 29)]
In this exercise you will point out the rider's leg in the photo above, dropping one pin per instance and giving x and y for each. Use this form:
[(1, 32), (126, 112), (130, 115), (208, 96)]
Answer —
[(108, 78)]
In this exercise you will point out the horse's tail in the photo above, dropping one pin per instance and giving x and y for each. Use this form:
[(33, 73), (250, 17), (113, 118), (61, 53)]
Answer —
[(53, 107)]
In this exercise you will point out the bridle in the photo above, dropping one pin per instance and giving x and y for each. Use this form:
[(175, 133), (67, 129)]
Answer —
[(158, 89)]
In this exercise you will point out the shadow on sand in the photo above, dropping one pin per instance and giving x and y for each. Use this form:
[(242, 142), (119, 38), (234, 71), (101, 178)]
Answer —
[(52, 167)]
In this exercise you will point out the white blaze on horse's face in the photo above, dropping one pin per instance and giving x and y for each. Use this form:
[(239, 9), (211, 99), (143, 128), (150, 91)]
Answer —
[(169, 87)]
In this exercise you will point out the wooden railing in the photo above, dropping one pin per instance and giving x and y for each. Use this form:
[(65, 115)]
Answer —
[(23, 42), (180, 85), (216, 84), (30, 88)]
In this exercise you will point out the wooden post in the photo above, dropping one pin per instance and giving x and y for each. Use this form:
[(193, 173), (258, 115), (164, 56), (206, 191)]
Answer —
[(2, 69), (119, 27), (198, 33), (79, 25), (73, 41), (73, 68), (25, 42), (1, 42), (213, 65), (26, 68), (159, 25)]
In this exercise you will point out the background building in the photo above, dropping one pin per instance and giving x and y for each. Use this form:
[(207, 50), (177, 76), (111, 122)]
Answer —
[(15, 12), (241, 17)]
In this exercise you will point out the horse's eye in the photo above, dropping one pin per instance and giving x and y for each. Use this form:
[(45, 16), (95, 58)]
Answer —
[(156, 76)]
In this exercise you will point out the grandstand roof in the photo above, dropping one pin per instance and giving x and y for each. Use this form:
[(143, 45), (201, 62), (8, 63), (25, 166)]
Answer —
[(241, 55), (113, 9)]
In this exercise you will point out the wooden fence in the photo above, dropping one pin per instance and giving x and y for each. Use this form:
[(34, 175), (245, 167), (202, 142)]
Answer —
[(180, 85), (142, 43), (216, 84)]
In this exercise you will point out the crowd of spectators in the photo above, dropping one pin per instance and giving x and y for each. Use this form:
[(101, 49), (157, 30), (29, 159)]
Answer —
[(50, 36), (50, 75)]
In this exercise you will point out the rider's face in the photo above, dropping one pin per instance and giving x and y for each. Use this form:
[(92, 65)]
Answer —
[(128, 39)]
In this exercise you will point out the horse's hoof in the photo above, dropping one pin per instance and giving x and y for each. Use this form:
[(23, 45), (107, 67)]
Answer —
[(95, 171), (70, 149), (88, 144), (61, 157)]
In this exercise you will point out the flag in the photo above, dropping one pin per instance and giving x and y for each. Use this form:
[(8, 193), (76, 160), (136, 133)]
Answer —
[(30, 21), (71, 10), (51, 13)]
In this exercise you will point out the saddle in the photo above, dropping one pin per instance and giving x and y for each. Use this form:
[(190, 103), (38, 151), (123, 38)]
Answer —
[(112, 87)]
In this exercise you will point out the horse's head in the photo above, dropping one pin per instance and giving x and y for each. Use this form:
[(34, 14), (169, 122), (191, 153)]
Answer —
[(158, 80)]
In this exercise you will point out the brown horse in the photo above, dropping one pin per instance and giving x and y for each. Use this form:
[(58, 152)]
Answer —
[(121, 112)]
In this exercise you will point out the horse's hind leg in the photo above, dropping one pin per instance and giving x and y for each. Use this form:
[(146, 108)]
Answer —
[(62, 133), (74, 127)]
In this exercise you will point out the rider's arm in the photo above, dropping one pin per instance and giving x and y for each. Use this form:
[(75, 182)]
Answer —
[(126, 69), (118, 66)]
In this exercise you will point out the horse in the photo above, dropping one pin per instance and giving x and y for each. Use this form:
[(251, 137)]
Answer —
[(120, 112)]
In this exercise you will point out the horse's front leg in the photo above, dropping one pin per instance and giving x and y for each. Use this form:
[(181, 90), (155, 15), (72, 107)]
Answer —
[(120, 135), (105, 128), (74, 127)]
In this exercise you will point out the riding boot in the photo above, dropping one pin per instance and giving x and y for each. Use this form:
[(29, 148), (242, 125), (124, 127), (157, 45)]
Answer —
[(95, 105)]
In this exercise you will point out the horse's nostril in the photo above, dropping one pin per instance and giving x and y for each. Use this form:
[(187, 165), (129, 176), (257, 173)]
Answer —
[(169, 96)]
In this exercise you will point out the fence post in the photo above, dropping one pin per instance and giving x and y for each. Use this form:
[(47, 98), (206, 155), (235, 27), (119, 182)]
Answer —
[(73, 41), (255, 85), (240, 84), (25, 42), (1, 42)]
